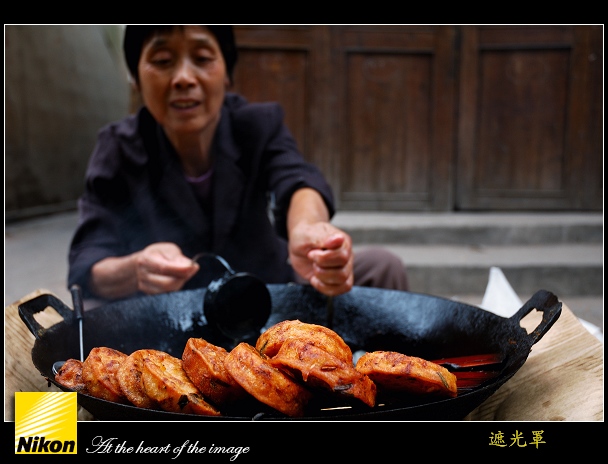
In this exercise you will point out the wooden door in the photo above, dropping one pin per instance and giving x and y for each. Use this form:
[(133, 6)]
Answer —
[(395, 91), (529, 134), (372, 106), (291, 65), (439, 118)]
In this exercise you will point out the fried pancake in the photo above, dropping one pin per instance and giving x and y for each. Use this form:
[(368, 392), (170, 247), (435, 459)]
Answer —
[(396, 372), (270, 341), (129, 379), (253, 371), (99, 374), (323, 370), (203, 362), (70, 375), (165, 382)]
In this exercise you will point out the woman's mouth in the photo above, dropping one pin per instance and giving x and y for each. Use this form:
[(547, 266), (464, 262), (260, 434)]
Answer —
[(184, 104)]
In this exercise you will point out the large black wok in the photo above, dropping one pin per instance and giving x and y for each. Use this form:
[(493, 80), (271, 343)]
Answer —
[(367, 318)]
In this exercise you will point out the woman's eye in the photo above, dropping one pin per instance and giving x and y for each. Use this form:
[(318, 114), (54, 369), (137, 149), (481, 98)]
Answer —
[(160, 59), (203, 58)]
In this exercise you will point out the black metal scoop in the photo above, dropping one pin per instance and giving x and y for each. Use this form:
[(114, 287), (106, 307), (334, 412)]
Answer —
[(236, 304)]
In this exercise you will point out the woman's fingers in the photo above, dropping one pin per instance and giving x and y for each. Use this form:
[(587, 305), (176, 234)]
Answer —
[(163, 268), (331, 289)]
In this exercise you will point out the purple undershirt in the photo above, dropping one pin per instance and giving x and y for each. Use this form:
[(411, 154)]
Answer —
[(201, 185)]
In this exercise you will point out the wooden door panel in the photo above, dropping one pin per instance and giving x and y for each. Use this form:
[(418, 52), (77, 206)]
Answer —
[(393, 154), (280, 76), (273, 65), (387, 135), (586, 124), (516, 117), (291, 65), (522, 122)]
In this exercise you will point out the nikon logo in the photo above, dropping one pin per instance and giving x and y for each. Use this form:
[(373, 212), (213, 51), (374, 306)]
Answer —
[(45, 422), (41, 445)]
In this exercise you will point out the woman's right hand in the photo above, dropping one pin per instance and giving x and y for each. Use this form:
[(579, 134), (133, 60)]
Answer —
[(158, 268), (162, 267)]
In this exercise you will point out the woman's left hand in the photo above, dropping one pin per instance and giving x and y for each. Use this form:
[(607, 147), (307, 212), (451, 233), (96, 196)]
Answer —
[(322, 254)]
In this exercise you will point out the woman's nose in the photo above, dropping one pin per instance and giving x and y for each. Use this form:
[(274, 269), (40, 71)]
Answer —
[(184, 75)]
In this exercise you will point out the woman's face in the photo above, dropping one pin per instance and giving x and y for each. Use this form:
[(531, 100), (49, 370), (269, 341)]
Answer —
[(182, 79)]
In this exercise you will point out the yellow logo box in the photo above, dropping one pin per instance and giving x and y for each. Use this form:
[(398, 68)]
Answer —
[(46, 422)]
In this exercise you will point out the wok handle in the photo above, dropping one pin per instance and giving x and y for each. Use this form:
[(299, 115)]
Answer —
[(29, 308), (551, 308)]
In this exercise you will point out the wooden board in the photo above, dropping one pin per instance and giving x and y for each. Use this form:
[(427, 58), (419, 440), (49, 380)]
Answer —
[(562, 379)]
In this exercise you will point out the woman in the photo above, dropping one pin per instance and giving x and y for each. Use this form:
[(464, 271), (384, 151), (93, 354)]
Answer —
[(198, 169)]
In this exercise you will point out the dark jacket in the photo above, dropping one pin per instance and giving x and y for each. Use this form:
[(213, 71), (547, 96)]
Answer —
[(136, 194)]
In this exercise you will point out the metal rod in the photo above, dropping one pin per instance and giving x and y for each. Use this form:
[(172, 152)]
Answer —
[(79, 313)]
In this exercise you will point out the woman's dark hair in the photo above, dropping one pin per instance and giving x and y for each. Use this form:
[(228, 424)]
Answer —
[(136, 36)]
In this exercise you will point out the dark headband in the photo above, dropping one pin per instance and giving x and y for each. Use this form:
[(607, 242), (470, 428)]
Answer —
[(136, 35)]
